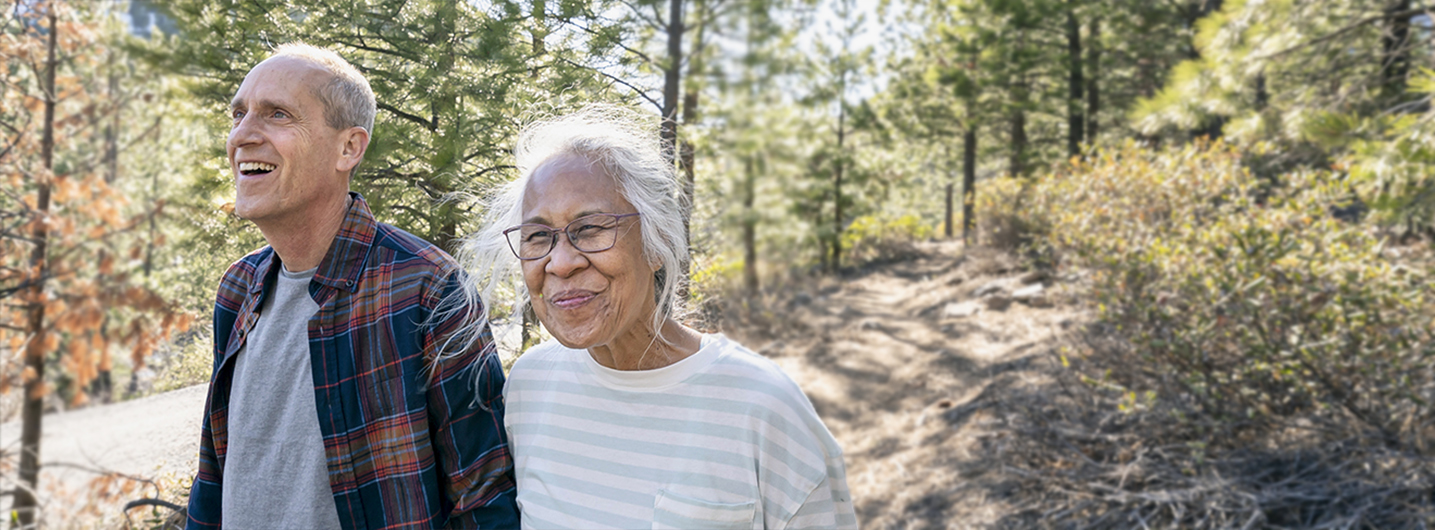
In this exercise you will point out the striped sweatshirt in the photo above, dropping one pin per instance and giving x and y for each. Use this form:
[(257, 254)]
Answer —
[(722, 439)]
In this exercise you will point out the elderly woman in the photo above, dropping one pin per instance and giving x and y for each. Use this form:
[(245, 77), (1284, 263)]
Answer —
[(627, 418)]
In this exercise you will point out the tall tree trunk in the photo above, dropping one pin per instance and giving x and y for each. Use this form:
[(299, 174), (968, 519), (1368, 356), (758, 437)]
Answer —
[(538, 33), (1395, 50), (814, 165), (112, 150), (1016, 165), (749, 225), (948, 223), (837, 180), (672, 80), (25, 501), (528, 328), (1263, 97), (969, 180), (1093, 75), (1075, 122), (686, 157), (102, 386), (951, 184), (150, 244)]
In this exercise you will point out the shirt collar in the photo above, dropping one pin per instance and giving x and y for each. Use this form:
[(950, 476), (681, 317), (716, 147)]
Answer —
[(344, 263)]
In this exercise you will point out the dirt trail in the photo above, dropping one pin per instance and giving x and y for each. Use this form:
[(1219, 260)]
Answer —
[(904, 380), (153, 437)]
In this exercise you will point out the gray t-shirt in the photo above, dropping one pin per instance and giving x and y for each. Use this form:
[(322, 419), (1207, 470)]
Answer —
[(275, 475)]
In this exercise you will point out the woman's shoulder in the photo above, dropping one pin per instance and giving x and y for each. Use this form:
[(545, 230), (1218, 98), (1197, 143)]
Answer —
[(736, 359), (758, 374), (776, 398)]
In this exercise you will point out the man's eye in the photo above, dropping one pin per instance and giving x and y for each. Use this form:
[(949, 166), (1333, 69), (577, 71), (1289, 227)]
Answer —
[(281, 114), (237, 115)]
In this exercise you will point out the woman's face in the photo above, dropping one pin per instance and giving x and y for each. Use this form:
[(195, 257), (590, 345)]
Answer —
[(586, 299)]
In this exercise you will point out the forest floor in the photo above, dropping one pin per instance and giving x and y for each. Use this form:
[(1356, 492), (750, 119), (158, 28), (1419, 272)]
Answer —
[(95, 459), (910, 364), (907, 365)]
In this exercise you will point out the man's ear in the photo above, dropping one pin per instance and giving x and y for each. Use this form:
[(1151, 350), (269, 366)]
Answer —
[(356, 142)]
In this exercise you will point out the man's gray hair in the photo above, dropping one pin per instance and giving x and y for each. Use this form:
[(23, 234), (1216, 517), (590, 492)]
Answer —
[(348, 100), (626, 145)]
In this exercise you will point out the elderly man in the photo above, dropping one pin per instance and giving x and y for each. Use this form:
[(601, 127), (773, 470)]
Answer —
[(330, 405)]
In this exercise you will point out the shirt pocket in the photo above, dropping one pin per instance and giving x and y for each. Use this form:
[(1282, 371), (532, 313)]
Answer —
[(673, 511)]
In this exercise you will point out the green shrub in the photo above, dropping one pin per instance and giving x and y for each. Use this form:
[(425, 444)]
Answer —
[(1244, 307), (1002, 222), (191, 365), (873, 236)]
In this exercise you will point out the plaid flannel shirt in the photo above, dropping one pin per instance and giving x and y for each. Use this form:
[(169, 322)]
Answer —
[(407, 445)]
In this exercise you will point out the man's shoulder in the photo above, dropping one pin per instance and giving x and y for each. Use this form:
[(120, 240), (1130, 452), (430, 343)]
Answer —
[(410, 247), (244, 270)]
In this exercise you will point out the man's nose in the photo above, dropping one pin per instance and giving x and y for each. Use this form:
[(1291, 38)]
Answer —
[(246, 132)]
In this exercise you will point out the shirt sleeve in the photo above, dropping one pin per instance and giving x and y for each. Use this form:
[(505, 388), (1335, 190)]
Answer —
[(829, 505), (466, 407)]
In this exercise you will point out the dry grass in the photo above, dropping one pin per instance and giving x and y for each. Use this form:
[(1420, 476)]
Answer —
[(983, 421)]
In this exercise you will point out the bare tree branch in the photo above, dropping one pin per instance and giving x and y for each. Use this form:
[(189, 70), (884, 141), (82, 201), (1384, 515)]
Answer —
[(655, 24), (1349, 28), (620, 81), (633, 51), (427, 124)]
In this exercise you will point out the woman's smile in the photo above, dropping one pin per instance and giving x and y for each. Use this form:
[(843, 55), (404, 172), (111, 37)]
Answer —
[(571, 299)]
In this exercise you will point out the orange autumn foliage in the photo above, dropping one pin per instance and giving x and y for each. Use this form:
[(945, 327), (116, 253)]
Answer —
[(95, 302)]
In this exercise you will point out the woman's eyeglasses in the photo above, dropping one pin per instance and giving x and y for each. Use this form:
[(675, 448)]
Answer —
[(590, 233)]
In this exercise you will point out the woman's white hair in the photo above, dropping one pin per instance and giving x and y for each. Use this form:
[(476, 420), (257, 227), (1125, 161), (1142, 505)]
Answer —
[(626, 145)]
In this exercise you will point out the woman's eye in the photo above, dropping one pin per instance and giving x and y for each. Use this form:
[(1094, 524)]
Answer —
[(537, 236)]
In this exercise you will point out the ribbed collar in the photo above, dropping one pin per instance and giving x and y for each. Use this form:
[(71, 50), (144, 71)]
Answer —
[(709, 351)]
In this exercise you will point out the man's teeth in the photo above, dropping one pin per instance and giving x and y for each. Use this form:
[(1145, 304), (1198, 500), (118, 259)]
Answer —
[(255, 166)]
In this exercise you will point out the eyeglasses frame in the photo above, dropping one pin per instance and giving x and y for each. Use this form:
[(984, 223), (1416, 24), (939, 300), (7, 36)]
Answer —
[(553, 241)]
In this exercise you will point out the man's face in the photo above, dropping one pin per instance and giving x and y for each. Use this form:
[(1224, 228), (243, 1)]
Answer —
[(285, 158)]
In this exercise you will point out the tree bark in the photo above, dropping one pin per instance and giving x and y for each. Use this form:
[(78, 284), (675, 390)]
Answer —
[(1093, 75), (951, 185), (837, 179), (969, 181), (948, 224), (749, 225), (1016, 165), (112, 152), (1263, 97), (687, 159), (814, 165), (538, 32), (528, 328), (1075, 122), (34, 382), (672, 80)]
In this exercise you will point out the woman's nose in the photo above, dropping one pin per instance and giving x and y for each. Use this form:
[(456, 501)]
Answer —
[(565, 259)]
